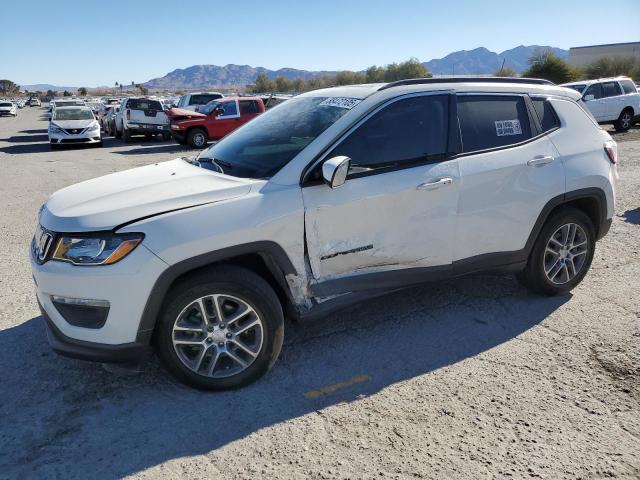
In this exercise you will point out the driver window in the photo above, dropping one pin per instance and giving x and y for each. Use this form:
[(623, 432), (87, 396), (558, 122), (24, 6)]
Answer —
[(595, 90), (230, 109), (405, 133)]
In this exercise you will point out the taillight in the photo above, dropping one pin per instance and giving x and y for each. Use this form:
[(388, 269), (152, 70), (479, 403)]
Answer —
[(128, 114), (612, 151)]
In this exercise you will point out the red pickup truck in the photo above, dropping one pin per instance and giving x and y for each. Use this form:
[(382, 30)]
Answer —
[(215, 120)]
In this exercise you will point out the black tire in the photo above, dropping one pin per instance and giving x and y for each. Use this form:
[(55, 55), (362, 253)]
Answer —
[(126, 135), (226, 280), (166, 136), (197, 138), (534, 276), (625, 121), (53, 147), (118, 134)]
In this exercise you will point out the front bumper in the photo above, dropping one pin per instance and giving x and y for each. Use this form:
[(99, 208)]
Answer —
[(70, 139), (125, 285), (7, 112), (95, 352)]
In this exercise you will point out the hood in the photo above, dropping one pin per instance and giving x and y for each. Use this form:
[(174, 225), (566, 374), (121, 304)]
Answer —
[(182, 114), (106, 202), (66, 124)]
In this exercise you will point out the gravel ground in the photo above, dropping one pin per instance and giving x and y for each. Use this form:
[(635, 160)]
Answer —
[(473, 378)]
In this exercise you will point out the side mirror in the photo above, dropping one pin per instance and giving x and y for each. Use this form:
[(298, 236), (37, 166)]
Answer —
[(589, 97), (218, 111), (334, 171)]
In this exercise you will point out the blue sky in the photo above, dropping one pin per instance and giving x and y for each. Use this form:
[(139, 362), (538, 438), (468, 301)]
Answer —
[(95, 42)]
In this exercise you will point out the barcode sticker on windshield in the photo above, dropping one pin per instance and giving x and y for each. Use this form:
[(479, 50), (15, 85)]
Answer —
[(341, 102), (508, 127)]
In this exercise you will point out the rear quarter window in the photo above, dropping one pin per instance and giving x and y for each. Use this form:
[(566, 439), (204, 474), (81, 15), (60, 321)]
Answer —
[(203, 99), (628, 86), (492, 121), (248, 107), (546, 114)]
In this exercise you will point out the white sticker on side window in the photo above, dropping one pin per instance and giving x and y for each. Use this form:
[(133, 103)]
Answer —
[(340, 102), (508, 127)]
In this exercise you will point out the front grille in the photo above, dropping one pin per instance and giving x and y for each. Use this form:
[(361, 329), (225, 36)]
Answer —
[(75, 140), (73, 131)]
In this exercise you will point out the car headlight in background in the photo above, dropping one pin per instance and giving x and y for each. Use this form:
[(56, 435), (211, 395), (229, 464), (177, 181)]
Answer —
[(97, 250)]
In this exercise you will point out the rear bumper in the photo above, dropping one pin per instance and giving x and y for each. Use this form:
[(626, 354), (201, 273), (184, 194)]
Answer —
[(95, 352), (140, 129)]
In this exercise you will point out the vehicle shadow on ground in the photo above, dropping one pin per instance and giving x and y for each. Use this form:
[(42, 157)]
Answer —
[(39, 130), (27, 138), (632, 216), (26, 148), (147, 148), (64, 418)]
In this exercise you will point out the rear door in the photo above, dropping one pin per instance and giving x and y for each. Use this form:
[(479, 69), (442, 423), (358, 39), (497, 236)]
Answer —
[(396, 210), (249, 109), (509, 170), (596, 104)]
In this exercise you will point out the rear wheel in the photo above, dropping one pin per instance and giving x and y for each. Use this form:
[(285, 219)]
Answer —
[(126, 135), (166, 136), (197, 138), (117, 133), (562, 254), (625, 120), (220, 330)]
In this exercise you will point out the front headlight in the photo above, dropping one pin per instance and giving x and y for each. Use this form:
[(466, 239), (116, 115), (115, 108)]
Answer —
[(93, 126), (53, 128), (97, 250)]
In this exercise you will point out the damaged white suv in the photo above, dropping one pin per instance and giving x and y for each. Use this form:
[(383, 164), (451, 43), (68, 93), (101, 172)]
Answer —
[(332, 197)]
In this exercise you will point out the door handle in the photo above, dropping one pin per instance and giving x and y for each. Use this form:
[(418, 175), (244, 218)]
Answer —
[(540, 160), (435, 184)]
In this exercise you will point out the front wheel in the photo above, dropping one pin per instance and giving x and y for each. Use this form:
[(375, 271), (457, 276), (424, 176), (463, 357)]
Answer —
[(625, 120), (220, 330), (197, 138), (562, 254)]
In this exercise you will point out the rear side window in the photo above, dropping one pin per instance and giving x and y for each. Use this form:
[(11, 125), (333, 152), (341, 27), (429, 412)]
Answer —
[(407, 132), (143, 104), (595, 90), (203, 98), (546, 114), (628, 86), (492, 121), (611, 89), (248, 107)]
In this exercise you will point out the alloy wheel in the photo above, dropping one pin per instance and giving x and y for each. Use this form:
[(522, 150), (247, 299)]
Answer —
[(218, 335), (625, 121), (565, 253)]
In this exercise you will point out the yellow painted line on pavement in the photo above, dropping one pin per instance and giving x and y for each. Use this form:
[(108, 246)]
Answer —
[(311, 394)]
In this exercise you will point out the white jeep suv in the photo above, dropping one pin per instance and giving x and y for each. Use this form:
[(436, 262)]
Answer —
[(611, 100), (330, 198)]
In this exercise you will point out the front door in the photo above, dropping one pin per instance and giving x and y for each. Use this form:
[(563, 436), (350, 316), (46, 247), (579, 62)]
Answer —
[(396, 210), (593, 98), (226, 122)]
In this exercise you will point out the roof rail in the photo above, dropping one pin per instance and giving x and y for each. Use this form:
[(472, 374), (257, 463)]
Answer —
[(419, 81)]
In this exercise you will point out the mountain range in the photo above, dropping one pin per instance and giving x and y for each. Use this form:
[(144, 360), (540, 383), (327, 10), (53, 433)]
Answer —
[(479, 61)]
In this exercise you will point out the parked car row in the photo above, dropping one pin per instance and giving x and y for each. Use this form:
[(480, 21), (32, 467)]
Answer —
[(611, 100)]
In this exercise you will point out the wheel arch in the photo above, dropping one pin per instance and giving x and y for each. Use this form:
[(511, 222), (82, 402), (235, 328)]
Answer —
[(265, 258), (197, 127), (592, 201)]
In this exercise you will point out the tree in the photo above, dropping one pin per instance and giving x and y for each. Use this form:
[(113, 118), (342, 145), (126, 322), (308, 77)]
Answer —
[(66, 94), (263, 84), (51, 93), (82, 91), (7, 87), (545, 64), (143, 89), (613, 66), (505, 72)]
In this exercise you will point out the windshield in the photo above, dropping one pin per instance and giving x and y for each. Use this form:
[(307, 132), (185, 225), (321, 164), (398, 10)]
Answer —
[(5, 104), (73, 114), (209, 107), (266, 144)]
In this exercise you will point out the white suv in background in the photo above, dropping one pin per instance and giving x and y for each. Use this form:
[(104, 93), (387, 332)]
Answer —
[(333, 197), (611, 100), (193, 101), (8, 108)]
